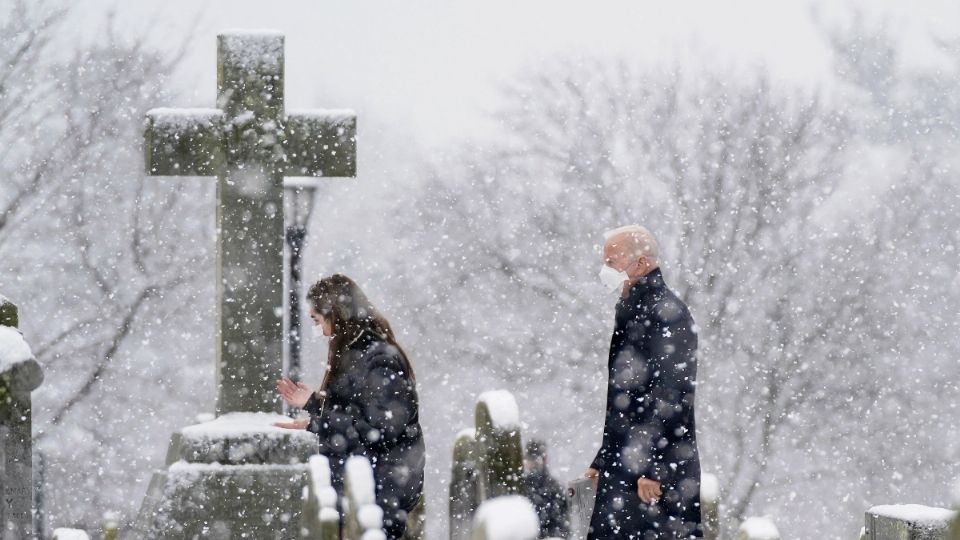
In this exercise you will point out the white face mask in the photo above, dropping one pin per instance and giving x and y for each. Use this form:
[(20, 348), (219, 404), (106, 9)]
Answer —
[(612, 279), (317, 331)]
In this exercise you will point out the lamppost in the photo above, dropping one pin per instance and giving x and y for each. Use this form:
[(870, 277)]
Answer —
[(298, 200)]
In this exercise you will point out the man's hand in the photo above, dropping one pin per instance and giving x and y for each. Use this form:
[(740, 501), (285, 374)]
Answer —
[(295, 394), (296, 423), (593, 475), (648, 490)]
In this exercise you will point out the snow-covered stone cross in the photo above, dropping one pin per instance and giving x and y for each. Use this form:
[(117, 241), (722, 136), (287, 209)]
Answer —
[(249, 143)]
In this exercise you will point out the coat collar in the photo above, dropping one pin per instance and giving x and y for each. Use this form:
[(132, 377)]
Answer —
[(653, 280)]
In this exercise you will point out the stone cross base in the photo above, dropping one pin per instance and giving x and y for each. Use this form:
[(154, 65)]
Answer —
[(236, 476)]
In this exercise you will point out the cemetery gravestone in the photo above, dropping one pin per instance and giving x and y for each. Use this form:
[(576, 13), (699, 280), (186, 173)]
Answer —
[(249, 143), (20, 374), (498, 440), (238, 475), (907, 522)]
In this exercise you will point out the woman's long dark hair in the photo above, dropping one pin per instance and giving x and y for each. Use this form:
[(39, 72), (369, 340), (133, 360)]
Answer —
[(340, 300)]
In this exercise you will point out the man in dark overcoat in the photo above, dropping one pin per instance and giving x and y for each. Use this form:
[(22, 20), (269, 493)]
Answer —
[(647, 470)]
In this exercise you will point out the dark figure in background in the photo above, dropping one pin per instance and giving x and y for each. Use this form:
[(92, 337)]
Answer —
[(367, 404), (544, 492), (648, 467)]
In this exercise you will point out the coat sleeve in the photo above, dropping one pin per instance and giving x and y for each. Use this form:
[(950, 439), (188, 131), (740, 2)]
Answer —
[(599, 461), (334, 427), (389, 401), (672, 348), (314, 404)]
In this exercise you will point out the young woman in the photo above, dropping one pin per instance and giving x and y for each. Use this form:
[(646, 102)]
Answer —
[(367, 404)]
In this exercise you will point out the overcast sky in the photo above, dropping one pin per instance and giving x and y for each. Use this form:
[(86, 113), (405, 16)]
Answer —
[(432, 67)]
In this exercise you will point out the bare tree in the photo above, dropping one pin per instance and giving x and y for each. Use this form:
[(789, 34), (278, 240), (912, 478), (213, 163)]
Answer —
[(101, 258), (735, 174)]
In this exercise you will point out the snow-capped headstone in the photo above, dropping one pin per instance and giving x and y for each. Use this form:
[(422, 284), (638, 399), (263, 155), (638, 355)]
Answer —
[(511, 517), (907, 522), (363, 518), (954, 531), (758, 528), (20, 374), (320, 519), (238, 474), (64, 533), (498, 440), (710, 505), (464, 485), (249, 143), (487, 460)]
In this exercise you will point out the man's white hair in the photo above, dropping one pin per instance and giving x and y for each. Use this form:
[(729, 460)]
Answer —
[(640, 242)]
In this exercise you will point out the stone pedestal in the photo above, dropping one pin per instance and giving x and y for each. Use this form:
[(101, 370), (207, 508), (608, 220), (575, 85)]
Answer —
[(907, 522), (233, 477)]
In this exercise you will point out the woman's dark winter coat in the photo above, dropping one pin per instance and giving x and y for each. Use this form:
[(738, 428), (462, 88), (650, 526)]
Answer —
[(650, 430), (371, 409)]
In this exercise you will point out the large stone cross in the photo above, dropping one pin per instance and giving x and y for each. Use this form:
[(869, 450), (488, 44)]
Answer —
[(249, 143)]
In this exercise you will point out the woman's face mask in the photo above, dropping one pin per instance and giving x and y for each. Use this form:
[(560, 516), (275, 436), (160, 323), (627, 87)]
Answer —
[(317, 331)]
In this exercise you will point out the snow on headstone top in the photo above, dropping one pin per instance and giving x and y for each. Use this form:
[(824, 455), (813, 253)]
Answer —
[(329, 115), (359, 476), (370, 517), (467, 432), (926, 516), (177, 120), (13, 349), (241, 424), (759, 528), (319, 472), (503, 409), (64, 533), (709, 487), (510, 517), (253, 49)]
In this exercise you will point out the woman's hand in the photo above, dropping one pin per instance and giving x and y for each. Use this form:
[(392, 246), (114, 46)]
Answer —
[(295, 394), (296, 423)]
